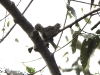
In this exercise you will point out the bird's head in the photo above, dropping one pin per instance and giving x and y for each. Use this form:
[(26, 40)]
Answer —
[(38, 27), (57, 25)]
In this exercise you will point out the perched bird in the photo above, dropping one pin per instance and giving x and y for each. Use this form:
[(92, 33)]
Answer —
[(48, 32)]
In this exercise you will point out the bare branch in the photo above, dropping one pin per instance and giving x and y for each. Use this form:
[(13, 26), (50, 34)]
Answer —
[(76, 21), (28, 6), (32, 60), (95, 25), (40, 70)]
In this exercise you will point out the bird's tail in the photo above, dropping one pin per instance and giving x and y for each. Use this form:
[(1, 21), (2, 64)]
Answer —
[(53, 44)]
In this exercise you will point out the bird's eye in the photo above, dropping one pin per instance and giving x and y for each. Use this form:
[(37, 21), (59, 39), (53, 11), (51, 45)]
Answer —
[(58, 25)]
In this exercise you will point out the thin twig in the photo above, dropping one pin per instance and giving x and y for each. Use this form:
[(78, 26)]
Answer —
[(40, 69), (63, 27), (32, 60), (86, 23), (18, 2), (76, 21), (28, 6), (95, 25), (15, 23), (9, 14), (7, 33), (85, 2), (62, 31), (4, 25), (87, 33), (76, 35)]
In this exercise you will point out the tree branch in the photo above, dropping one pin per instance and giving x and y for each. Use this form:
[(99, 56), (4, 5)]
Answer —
[(34, 36), (76, 21), (79, 19)]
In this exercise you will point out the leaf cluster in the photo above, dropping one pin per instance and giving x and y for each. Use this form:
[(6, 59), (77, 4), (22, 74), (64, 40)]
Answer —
[(88, 46)]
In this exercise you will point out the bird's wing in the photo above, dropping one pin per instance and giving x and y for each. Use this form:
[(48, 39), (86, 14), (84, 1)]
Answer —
[(48, 31)]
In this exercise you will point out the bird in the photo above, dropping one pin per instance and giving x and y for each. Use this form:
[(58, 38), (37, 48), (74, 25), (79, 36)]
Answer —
[(47, 32)]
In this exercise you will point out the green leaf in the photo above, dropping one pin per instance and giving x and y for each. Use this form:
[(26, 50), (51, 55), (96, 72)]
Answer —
[(96, 41), (92, 2), (3, 29), (78, 45), (72, 31), (69, 1), (83, 56), (87, 35), (74, 41), (16, 40), (69, 14), (65, 54), (73, 12), (82, 9), (8, 23), (90, 47), (86, 50), (98, 31), (86, 20), (77, 25), (30, 70), (99, 2), (94, 6), (66, 38), (98, 46)]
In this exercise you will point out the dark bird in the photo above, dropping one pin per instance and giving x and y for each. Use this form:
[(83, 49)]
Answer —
[(48, 32)]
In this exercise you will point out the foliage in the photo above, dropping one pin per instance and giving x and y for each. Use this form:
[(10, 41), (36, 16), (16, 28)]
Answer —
[(86, 20), (90, 42), (73, 12), (74, 41), (16, 40), (8, 23), (30, 70)]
